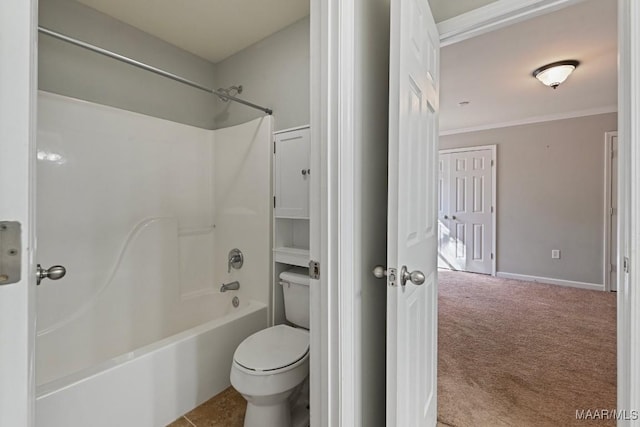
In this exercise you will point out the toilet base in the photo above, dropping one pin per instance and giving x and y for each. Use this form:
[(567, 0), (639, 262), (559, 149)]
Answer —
[(268, 416)]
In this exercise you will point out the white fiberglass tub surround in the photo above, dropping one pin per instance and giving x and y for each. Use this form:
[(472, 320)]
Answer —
[(142, 211)]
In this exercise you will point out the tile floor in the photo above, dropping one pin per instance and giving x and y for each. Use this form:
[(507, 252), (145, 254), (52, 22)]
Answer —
[(223, 410)]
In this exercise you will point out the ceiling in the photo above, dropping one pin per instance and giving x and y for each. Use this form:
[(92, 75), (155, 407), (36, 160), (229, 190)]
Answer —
[(445, 9), (493, 71), (211, 29)]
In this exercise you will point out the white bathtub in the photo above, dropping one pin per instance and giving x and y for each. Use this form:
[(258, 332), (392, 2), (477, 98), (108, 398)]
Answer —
[(143, 212), (155, 384)]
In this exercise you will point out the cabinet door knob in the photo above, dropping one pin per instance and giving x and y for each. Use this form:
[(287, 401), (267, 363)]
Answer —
[(304, 172)]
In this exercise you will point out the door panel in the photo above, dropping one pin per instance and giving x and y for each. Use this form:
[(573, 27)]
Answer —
[(469, 218), (18, 85), (444, 245), (413, 206), (613, 232), (292, 174)]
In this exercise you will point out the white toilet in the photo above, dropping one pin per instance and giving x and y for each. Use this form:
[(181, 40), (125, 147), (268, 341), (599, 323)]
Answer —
[(270, 367)]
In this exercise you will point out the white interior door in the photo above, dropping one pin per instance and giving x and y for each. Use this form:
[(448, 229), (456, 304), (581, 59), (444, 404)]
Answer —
[(467, 214), (613, 215), (445, 248), (412, 232), (17, 157)]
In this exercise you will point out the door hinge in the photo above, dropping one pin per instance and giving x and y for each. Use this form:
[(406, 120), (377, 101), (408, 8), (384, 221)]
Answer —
[(491, 163), (612, 211), (274, 202), (491, 209), (274, 146), (625, 265), (491, 255), (10, 252), (314, 270), (612, 268)]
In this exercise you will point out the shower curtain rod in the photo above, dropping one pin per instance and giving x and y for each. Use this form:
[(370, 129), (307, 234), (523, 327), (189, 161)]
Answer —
[(147, 67)]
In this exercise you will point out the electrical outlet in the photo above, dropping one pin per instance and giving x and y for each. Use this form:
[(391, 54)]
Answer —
[(555, 253)]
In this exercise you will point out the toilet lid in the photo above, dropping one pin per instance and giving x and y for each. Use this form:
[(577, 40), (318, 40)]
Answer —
[(272, 348)]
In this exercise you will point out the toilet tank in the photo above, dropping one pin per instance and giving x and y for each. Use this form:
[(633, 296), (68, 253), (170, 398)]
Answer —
[(295, 286)]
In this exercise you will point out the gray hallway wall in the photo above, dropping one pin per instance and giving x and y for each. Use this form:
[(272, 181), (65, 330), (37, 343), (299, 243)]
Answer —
[(550, 195)]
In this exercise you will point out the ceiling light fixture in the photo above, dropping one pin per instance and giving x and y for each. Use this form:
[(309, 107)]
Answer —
[(555, 73)]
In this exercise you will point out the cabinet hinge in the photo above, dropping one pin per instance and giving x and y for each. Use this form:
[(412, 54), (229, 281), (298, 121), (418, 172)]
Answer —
[(626, 265), (314, 270)]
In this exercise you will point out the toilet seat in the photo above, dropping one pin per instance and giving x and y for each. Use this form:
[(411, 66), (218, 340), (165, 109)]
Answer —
[(274, 349)]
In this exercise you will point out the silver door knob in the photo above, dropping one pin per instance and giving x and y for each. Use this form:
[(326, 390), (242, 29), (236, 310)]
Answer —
[(379, 272), (54, 273), (416, 277)]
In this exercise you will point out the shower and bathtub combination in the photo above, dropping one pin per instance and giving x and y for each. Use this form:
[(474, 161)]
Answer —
[(143, 213)]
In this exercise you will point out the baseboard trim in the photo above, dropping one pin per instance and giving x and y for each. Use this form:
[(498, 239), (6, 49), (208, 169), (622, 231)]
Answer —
[(551, 281)]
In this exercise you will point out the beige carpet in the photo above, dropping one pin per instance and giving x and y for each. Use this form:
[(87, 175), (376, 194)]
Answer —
[(514, 353)]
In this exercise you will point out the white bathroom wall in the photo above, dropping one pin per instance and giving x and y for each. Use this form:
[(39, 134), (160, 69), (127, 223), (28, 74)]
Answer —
[(103, 174), (126, 203), (242, 175)]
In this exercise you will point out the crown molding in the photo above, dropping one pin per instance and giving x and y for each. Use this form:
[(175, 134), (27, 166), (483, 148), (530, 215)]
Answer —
[(536, 119), (495, 15)]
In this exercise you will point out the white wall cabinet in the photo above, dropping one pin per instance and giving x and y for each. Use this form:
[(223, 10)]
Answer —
[(292, 173), (291, 177)]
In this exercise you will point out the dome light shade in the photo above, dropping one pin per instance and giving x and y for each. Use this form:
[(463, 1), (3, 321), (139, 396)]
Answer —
[(555, 73)]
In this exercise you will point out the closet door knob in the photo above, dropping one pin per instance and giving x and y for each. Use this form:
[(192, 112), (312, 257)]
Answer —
[(304, 172)]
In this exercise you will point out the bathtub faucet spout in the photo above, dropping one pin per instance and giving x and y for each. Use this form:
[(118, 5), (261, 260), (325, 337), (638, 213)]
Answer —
[(233, 286)]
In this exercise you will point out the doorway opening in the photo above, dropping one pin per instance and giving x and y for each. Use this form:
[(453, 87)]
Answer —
[(552, 235)]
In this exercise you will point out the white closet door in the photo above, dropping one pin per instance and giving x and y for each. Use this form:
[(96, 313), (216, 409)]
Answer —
[(613, 233), (471, 222), (445, 248), (465, 211)]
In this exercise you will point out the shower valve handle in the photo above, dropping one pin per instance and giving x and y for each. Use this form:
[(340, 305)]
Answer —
[(235, 259)]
